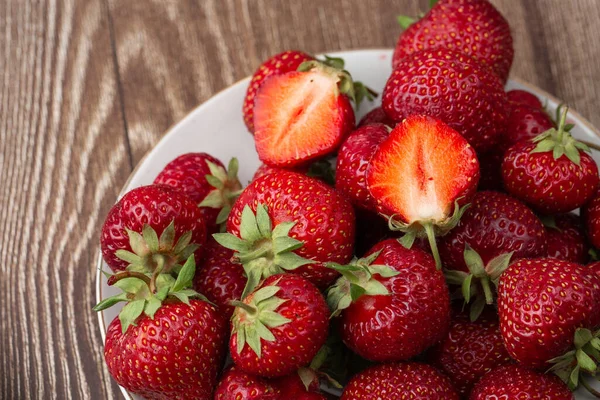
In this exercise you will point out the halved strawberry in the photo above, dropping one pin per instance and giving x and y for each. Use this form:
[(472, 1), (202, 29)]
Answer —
[(420, 176)]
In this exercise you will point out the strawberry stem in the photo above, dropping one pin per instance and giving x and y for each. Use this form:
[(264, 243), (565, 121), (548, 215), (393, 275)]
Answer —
[(591, 145), (433, 244), (487, 290), (128, 274)]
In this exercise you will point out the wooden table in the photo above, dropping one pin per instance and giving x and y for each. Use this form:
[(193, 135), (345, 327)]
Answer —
[(87, 87)]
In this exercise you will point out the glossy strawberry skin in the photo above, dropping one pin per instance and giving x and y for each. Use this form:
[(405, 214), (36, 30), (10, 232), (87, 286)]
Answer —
[(377, 116), (238, 385), (541, 302), (525, 123), (325, 220), (352, 162), (525, 98), (296, 342), (291, 387), (514, 382), (187, 173), (278, 64), (473, 27), (470, 350), (591, 218), (218, 278), (445, 84), (547, 185), (176, 355), (400, 381), (494, 224), (156, 205), (417, 312), (568, 242), (265, 169)]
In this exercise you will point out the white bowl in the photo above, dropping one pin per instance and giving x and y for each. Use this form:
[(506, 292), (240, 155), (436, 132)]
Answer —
[(217, 127)]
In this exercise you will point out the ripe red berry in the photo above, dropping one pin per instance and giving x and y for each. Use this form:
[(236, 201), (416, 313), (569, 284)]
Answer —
[(566, 239), (377, 116), (591, 218), (525, 98), (235, 384)]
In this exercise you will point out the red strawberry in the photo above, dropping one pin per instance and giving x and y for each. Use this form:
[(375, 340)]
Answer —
[(525, 98), (301, 116), (551, 173), (490, 165), (546, 308), (277, 65), (321, 169), (435, 168), (238, 385), (445, 84), (393, 304), (352, 162), (290, 222), (218, 278), (377, 116), (400, 381), (525, 123), (204, 179), (473, 27), (591, 218), (514, 382), (152, 227), (292, 387), (566, 239), (279, 327), (470, 350)]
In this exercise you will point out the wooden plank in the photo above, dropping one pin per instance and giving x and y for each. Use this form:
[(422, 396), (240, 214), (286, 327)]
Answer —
[(63, 158)]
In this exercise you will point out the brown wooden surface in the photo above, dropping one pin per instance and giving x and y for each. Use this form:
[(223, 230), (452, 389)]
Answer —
[(87, 87)]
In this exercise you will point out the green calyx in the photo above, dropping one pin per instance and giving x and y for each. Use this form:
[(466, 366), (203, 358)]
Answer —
[(429, 229), (405, 21), (357, 280), (262, 250), (151, 254), (145, 293), (356, 91), (478, 287), (314, 374), (251, 320), (227, 188), (324, 170), (559, 141), (582, 360)]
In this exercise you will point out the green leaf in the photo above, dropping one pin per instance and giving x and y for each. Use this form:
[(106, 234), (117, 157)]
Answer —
[(477, 308), (249, 227), (405, 21), (455, 277), (217, 171), (283, 229), (374, 288), (152, 305), (137, 243), (110, 301), (263, 221), (151, 238), (335, 62), (183, 242), (130, 313), (273, 319), (582, 337), (130, 285), (167, 237), (263, 332), (253, 339), (290, 261), (215, 182), (595, 342), (558, 152), (585, 361), (474, 262), (186, 275), (383, 270), (408, 240), (128, 257), (498, 265), (184, 298), (432, 3), (232, 169), (466, 288), (214, 199), (265, 293), (356, 291), (254, 276), (231, 242), (163, 292), (574, 378), (284, 244), (240, 339)]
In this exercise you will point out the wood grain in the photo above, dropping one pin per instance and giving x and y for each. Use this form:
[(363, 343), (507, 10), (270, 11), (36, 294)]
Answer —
[(87, 87)]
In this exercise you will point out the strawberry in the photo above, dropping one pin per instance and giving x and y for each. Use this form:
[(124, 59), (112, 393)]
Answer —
[(279, 327), (547, 308), (320, 169), (235, 384), (445, 84), (473, 27), (218, 278), (288, 222), (514, 382), (525, 98), (525, 123), (470, 350), (168, 342), (400, 381), (152, 228), (591, 218), (566, 239), (377, 116), (204, 179), (292, 387), (551, 173), (393, 303), (352, 162), (279, 64), (436, 169)]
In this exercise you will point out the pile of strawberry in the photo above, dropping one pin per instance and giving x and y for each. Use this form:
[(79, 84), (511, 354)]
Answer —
[(439, 259)]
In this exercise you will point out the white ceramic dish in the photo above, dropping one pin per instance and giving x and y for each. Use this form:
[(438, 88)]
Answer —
[(217, 127)]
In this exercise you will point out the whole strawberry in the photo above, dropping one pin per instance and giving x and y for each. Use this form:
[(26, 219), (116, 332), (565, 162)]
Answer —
[(400, 381), (420, 176), (514, 382), (377, 116), (416, 87), (566, 239), (470, 350), (551, 173), (591, 218), (525, 123), (393, 303), (154, 227), (524, 97), (235, 384), (288, 222), (204, 179), (473, 27), (277, 65), (292, 387), (352, 162), (320, 169), (279, 327), (218, 278)]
